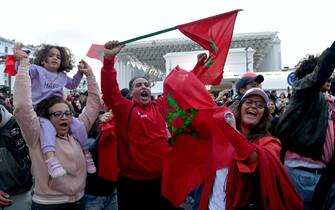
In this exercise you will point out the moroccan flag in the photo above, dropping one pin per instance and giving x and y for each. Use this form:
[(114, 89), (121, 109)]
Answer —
[(199, 147), (10, 65), (96, 51), (213, 34)]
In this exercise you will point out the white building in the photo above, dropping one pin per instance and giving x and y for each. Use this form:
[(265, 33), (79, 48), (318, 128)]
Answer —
[(6, 47), (255, 52)]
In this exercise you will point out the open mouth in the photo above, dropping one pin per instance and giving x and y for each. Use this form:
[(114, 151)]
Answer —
[(251, 113), (64, 125), (144, 94)]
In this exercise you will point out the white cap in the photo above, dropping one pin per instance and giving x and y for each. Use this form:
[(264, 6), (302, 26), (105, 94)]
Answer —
[(256, 91)]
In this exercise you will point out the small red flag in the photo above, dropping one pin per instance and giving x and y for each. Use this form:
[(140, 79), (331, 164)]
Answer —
[(199, 145), (96, 51), (213, 34), (10, 65)]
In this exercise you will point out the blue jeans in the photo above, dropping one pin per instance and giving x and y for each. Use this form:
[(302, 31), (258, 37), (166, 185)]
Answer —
[(305, 183), (101, 202)]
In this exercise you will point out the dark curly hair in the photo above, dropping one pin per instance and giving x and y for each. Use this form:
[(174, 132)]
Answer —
[(67, 58), (42, 108), (306, 66), (261, 129)]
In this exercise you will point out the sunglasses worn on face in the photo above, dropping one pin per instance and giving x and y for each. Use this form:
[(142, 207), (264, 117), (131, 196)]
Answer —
[(60, 114), (259, 104)]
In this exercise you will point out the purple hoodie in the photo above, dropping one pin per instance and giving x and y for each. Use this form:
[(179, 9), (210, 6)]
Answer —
[(45, 83)]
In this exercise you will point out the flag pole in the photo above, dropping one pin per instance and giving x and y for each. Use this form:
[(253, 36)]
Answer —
[(148, 35)]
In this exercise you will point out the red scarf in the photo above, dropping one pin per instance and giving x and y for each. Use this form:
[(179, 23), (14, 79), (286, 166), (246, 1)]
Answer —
[(277, 191)]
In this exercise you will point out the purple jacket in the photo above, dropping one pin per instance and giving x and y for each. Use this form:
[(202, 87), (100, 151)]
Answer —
[(45, 83)]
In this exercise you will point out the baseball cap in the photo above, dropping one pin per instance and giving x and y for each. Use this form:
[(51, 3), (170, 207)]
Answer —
[(248, 78), (256, 91)]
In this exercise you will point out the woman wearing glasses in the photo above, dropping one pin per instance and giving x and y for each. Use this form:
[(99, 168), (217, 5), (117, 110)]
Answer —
[(65, 192), (255, 179)]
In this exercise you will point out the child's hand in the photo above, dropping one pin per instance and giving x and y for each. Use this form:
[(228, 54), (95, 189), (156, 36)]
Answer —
[(19, 54), (112, 48), (84, 68)]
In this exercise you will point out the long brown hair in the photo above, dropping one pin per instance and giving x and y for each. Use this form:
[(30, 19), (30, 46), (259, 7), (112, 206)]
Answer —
[(261, 129), (242, 182)]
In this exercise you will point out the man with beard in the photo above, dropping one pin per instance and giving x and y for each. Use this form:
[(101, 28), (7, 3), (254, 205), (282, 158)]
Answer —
[(141, 137)]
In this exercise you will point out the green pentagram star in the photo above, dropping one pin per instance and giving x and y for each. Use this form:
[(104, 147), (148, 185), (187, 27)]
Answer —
[(210, 61), (187, 117)]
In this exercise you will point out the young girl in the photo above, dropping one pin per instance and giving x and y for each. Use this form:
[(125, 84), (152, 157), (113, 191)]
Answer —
[(48, 78)]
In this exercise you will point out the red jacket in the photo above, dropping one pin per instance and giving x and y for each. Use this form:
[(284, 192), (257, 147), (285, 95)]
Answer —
[(107, 152), (277, 191), (141, 131)]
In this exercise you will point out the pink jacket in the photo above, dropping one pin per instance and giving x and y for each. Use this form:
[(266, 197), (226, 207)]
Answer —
[(68, 188)]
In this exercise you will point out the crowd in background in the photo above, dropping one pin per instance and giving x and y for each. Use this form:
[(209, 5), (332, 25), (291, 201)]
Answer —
[(118, 162)]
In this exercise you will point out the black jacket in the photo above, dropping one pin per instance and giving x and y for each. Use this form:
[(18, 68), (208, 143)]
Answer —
[(302, 128)]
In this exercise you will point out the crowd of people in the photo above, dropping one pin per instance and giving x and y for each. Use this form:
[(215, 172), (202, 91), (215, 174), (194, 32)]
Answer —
[(105, 151)]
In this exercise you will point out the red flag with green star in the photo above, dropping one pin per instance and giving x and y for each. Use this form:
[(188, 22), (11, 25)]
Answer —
[(96, 51), (199, 147), (213, 34)]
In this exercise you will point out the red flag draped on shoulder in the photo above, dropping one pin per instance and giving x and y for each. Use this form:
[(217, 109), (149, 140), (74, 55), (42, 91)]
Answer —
[(96, 51), (10, 65), (199, 146), (213, 34)]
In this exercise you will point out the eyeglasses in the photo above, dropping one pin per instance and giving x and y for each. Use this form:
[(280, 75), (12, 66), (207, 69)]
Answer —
[(259, 104), (60, 114)]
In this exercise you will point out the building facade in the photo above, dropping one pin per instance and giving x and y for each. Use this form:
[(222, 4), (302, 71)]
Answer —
[(6, 48), (249, 52)]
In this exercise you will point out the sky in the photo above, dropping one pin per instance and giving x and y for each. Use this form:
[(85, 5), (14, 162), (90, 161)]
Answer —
[(303, 26)]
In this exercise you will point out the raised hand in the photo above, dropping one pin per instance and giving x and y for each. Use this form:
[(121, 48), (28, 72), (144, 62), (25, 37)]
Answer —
[(84, 68), (112, 48), (19, 54)]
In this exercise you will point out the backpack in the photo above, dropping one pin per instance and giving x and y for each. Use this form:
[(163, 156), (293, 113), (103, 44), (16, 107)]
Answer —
[(15, 163)]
